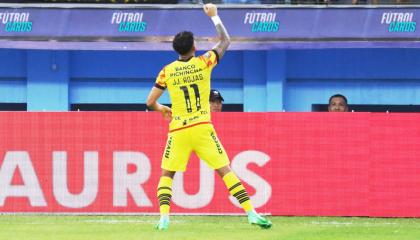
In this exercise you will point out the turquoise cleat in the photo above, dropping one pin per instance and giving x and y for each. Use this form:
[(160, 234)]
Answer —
[(163, 224), (256, 219)]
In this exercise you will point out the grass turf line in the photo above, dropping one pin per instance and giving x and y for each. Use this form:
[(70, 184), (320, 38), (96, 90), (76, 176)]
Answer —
[(37, 227)]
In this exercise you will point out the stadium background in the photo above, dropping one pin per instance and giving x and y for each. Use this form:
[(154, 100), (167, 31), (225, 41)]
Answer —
[(300, 78), (373, 168)]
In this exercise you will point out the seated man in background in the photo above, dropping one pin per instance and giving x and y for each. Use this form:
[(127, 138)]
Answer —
[(216, 101), (338, 103)]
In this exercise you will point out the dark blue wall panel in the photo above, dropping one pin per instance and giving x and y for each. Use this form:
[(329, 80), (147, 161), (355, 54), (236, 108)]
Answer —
[(290, 80)]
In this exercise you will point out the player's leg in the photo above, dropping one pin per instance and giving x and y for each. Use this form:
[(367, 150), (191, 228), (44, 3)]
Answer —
[(237, 190), (164, 195), (175, 158), (209, 148)]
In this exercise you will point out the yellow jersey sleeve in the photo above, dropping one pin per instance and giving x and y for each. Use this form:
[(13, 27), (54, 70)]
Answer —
[(210, 58), (161, 80)]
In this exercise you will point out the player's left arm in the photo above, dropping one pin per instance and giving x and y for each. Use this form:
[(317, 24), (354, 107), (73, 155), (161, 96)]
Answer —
[(152, 103), (224, 38)]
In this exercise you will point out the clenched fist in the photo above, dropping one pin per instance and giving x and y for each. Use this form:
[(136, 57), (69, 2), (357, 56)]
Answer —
[(210, 9)]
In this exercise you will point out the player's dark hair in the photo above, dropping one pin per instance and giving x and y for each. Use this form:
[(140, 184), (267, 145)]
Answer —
[(183, 42), (338, 95)]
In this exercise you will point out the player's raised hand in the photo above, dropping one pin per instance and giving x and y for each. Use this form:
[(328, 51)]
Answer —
[(210, 9)]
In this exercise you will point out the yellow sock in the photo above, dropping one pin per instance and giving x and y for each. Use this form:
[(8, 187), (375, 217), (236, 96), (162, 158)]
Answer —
[(164, 194), (237, 190)]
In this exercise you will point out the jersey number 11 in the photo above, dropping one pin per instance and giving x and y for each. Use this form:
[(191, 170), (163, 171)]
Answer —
[(187, 97)]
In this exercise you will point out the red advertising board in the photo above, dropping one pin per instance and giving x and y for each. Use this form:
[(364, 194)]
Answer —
[(326, 164)]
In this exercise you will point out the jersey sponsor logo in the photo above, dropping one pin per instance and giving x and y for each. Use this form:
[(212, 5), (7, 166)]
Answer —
[(399, 21), (129, 21), (186, 74), (216, 141), (16, 21), (185, 71), (262, 21), (168, 147)]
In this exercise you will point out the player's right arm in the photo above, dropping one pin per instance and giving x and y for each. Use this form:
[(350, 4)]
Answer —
[(224, 39), (152, 103), (155, 94)]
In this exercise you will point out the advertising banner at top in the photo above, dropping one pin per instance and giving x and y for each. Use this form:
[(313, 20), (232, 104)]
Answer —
[(250, 28)]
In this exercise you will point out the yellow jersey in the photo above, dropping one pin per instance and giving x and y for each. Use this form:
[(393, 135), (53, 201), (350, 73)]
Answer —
[(188, 84)]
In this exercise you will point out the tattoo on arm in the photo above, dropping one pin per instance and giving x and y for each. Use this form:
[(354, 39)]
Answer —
[(224, 40)]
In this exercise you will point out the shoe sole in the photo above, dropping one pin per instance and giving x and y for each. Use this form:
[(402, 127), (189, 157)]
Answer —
[(263, 226), (161, 228)]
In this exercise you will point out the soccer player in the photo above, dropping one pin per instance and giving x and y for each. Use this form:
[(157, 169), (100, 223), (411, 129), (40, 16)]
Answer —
[(188, 82)]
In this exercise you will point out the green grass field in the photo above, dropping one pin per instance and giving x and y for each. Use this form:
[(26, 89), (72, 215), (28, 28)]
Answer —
[(34, 227)]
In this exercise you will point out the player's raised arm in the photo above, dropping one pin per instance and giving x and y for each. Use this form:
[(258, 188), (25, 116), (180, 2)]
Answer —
[(224, 39)]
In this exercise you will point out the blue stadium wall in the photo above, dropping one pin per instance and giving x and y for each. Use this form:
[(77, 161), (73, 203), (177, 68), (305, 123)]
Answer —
[(289, 80)]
